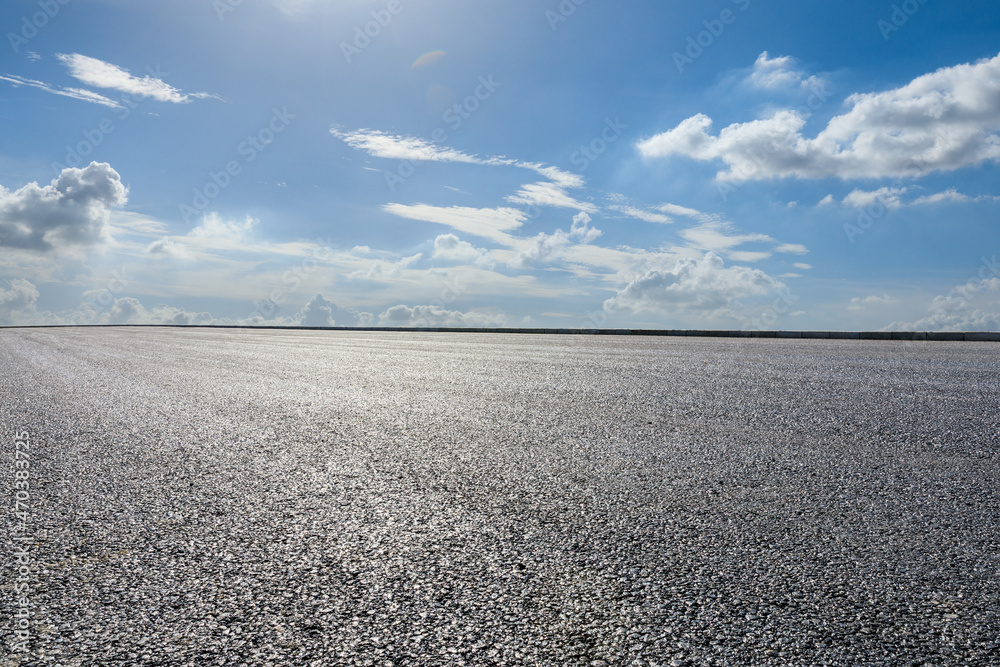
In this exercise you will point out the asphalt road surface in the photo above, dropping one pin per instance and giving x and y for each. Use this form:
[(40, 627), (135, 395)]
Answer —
[(231, 497)]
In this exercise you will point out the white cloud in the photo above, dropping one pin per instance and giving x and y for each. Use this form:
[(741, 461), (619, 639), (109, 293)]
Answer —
[(17, 303), (826, 201), (674, 209), (167, 247), (383, 270), (129, 310), (75, 93), (860, 303), (490, 223), (892, 198), (718, 236), (546, 247), (747, 255), (73, 210), (436, 316), (888, 197), (101, 74), (641, 214), (802, 266), (321, 312), (777, 72), (399, 147), (548, 194), (972, 306), (581, 230), (214, 227), (450, 248), (949, 195), (940, 121), (703, 286), (792, 249), (953, 196)]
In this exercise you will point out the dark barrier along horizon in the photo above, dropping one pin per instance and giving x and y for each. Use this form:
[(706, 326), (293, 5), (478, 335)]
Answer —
[(949, 336)]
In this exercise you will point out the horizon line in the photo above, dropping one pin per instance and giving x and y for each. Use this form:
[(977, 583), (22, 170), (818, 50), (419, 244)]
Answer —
[(936, 336)]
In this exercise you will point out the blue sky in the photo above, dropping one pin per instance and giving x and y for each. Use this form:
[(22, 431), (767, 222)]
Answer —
[(736, 164)]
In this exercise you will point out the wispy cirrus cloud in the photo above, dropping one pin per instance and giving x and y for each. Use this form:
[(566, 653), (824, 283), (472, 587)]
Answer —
[(893, 198), (489, 223), (642, 214), (75, 93), (101, 74), (400, 147)]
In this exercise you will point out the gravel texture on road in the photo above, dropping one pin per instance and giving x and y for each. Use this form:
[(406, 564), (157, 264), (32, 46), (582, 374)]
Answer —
[(243, 497)]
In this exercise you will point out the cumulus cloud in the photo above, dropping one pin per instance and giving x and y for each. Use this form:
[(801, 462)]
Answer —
[(889, 197), (436, 316), (167, 247), (100, 74), (129, 310), (793, 249), (545, 247), (17, 302), (940, 121), (449, 248), (73, 210), (777, 72), (703, 286), (971, 306), (321, 312)]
